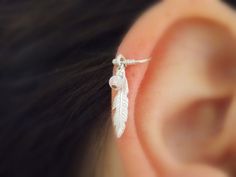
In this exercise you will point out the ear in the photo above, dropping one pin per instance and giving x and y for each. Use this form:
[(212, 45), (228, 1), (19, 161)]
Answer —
[(181, 111)]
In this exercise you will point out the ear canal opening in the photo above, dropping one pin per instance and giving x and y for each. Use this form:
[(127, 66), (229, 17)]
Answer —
[(190, 131)]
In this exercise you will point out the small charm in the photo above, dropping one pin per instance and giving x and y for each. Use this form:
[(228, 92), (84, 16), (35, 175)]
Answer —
[(119, 83), (116, 82)]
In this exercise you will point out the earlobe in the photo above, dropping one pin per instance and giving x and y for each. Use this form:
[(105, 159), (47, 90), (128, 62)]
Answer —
[(183, 41)]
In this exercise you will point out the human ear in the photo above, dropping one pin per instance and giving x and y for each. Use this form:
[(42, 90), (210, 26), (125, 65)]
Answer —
[(181, 109)]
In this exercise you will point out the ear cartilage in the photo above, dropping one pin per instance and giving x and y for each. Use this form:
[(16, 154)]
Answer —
[(119, 83)]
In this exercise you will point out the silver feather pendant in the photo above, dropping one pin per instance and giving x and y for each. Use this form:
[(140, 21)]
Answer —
[(120, 104), (119, 83)]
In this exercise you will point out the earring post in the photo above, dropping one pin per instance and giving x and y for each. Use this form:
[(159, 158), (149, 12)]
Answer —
[(119, 60)]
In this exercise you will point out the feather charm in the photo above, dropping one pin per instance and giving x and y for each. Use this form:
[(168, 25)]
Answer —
[(120, 104)]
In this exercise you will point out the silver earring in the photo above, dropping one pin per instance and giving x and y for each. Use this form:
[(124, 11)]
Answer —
[(119, 83)]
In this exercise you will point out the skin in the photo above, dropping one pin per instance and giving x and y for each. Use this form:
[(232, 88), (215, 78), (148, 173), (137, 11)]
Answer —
[(181, 103)]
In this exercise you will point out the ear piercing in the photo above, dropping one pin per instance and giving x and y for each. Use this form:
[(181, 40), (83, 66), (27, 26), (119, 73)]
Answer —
[(119, 83)]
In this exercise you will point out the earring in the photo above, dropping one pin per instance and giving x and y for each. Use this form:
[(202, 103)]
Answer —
[(119, 83)]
